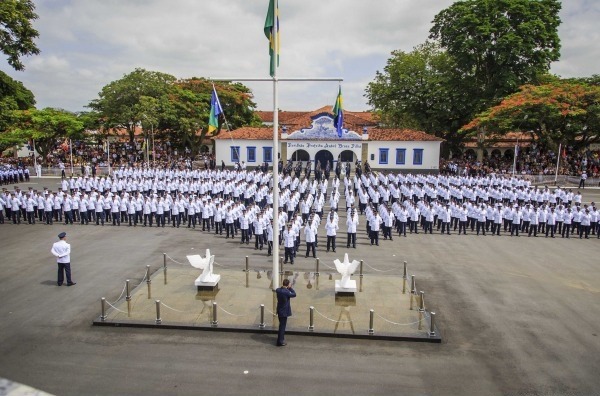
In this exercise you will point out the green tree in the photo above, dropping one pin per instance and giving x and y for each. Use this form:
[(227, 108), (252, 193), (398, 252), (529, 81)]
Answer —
[(236, 100), (14, 91), (48, 127), (500, 45), (16, 31), (13, 96), (182, 118), (175, 110), (186, 114), (120, 102), (558, 112), (421, 90)]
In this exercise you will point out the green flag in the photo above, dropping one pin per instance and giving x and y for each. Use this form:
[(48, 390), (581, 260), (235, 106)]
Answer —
[(272, 29)]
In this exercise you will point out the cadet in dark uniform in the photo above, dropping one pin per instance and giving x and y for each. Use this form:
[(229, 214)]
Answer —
[(284, 309)]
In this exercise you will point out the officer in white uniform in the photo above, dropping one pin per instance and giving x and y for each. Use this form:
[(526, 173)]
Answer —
[(62, 251)]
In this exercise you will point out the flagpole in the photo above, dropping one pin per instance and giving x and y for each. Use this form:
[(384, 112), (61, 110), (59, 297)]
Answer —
[(35, 158), (71, 150), (108, 152), (275, 158), (557, 163), (515, 159)]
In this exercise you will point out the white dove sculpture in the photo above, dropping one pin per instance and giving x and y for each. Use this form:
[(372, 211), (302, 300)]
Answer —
[(206, 265), (346, 268)]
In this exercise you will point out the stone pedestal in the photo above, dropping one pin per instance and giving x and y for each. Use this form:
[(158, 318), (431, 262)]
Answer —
[(208, 284), (349, 289)]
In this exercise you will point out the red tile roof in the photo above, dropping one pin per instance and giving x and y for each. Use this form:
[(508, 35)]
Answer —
[(353, 120), (375, 134), (401, 134), (248, 133), (267, 116)]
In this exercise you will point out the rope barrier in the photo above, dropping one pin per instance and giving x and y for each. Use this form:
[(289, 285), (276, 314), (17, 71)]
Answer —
[(172, 309), (378, 270), (214, 262), (227, 266), (399, 324), (269, 311), (125, 286), (332, 320), (331, 268), (115, 308), (143, 279), (121, 295), (173, 260), (229, 313)]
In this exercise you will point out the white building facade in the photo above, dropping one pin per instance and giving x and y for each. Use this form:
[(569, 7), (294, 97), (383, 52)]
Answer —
[(313, 137)]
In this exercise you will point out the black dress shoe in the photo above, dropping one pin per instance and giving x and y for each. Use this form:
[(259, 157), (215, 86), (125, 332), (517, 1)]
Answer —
[(282, 344), (71, 284), (59, 284)]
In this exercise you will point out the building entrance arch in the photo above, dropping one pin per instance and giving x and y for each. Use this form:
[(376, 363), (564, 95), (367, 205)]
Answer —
[(300, 155), (323, 157), (347, 156)]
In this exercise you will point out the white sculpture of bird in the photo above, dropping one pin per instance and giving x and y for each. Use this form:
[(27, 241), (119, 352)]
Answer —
[(345, 268), (205, 264)]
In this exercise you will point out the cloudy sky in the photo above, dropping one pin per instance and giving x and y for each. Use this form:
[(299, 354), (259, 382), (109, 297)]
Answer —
[(86, 44)]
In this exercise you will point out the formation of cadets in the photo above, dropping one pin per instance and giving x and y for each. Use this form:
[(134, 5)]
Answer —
[(11, 174), (238, 204)]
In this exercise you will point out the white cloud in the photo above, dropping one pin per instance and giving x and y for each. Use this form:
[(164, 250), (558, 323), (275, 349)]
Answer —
[(88, 43), (52, 63)]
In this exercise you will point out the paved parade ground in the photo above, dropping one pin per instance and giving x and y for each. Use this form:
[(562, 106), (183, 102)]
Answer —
[(517, 316)]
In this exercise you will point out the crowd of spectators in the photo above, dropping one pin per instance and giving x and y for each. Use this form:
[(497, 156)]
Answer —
[(92, 156), (530, 161)]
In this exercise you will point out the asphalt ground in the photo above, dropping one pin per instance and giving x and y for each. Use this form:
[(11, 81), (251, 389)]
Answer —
[(518, 316)]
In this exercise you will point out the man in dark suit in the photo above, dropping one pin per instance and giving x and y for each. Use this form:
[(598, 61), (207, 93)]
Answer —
[(284, 309)]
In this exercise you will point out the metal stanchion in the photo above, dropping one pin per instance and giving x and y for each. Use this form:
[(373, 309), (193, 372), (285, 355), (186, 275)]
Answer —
[(413, 291), (317, 261), (247, 271), (127, 293), (404, 278), (422, 301), (158, 319), (214, 321), (165, 266), (148, 281), (432, 324), (361, 269), (103, 305), (371, 320), (128, 297), (311, 326), (262, 316)]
